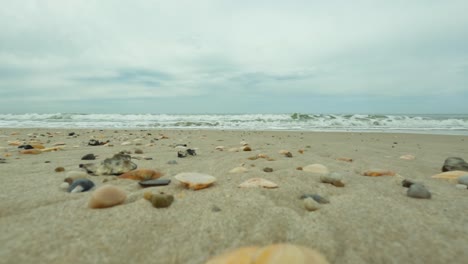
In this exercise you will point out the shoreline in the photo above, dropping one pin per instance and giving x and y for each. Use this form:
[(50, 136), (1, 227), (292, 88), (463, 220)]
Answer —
[(369, 220)]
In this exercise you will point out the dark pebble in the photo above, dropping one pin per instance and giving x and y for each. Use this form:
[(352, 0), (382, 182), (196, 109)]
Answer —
[(407, 183), (85, 183), (455, 163), (172, 162), (417, 190), (215, 209), (59, 169), (71, 134), (88, 157), (316, 197), (26, 147), (156, 182), (267, 169), (138, 151), (191, 152)]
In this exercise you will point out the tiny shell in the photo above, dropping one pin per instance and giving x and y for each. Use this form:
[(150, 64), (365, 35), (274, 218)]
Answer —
[(194, 180), (262, 156), (31, 151), (258, 182), (407, 157), (141, 175), (272, 254), (345, 159), (316, 168), (378, 172), (220, 148), (238, 170), (246, 148), (51, 149), (449, 175), (107, 196)]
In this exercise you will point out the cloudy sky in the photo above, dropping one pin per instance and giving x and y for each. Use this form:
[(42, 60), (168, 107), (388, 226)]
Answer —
[(214, 56)]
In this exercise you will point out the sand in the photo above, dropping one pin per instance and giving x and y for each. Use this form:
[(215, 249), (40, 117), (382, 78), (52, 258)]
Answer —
[(370, 220)]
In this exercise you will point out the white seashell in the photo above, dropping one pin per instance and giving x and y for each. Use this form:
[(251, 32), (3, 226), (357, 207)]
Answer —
[(194, 180), (316, 168), (64, 186), (258, 182), (126, 143), (238, 170)]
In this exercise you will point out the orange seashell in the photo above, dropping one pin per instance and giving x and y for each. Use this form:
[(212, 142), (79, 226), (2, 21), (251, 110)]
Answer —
[(450, 175), (246, 148), (141, 175), (272, 254), (15, 143), (38, 146), (376, 173), (258, 182), (194, 180), (31, 151)]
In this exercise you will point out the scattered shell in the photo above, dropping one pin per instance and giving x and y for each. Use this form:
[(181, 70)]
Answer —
[(378, 172), (59, 169), (455, 164), (318, 198), (345, 159), (449, 175), (107, 196), (246, 148), (126, 143), (80, 185), (194, 180), (272, 254), (88, 157), (463, 179), (262, 156), (461, 186), (141, 175), (407, 157), (316, 168), (31, 151), (333, 179), (418, 190), (64, 186), (51, 149), (407, 183), (311, 205), (120, 163), (220, 148), (238, 170), (138, 151), (267, 169), (258, 182)]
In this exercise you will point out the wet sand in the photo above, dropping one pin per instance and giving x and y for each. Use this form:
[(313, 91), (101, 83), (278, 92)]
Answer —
[(370, 220)]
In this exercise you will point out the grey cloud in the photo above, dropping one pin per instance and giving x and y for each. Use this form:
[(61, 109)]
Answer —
[(143, 77)]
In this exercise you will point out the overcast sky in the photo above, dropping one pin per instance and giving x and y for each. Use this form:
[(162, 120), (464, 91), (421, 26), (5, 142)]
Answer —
[(234, 56)]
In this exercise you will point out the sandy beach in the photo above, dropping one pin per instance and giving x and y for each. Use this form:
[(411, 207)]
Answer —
[(369, 220)]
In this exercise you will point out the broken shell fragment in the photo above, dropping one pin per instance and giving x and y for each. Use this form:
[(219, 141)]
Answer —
[(258, 182), (141, 175), (378, 172), (238, 170), (449, 175), (80, 185), (194, 180), (316, 168), (107, 196), (407, 157)]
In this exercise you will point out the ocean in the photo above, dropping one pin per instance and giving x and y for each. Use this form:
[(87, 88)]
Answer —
[(428, 124)]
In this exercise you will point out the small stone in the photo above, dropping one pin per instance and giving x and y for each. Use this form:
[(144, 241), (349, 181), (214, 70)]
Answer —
[(64, 186), (267, 169), (220, 148), (172, 162), (126, 143), (418, 190), (455, 164), (107, 196), (246, 148), (80, 185), (215, 209), (238, 170), (378, 172), (162, 200), (138, 151), (311, 205), (345, 159), (59, 169), (461, 186), (88, 157), (333, 179), (316, 197), (258, 182), (316, 168), (463, 179), (407, 183)]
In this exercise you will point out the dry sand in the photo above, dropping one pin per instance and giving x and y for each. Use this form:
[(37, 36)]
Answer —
[(370, 220)]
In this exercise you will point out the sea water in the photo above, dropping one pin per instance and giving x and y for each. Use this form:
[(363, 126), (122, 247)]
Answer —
[(431, 124)]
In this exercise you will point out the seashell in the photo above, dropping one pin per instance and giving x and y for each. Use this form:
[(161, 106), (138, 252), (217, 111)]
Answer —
[(107, 196), (333, 179), (316, 168), (15, 143), (246, 148), (378, 172), (417, 190), (160, 200), (310, 204), (238, 170), (262, 156), (345, 159), (38, 146), (258, 182), (126, 143), (449, 175), (80, 185), (31, 151), (118, 164), (141, 175), (272, 254), (283, 152), (407, 157), (220, 148), (59, 169), (244, 143), (52, 149), (194, 180), (455, 164)]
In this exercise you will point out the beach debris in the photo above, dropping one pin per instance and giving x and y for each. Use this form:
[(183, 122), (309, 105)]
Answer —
[(59, 169), (159, 200), (172, 162), (80, 185), (215, 209), (138, 151), (334, 179), (449, 175), (258, 182), (268, 169), (407, 183), (118, 164), (316, 168), (301, 151), (345, 159), (310, 204), (195, 180), (155, 182), (88, 157), (31, 151), (2, 160), (318, 198), (52, 149), (238, 170), (246, 148), (285, 153), (26, 146), (186, 152), (107, 196), (220, 148), (463, 179), (378, 172), (271, 254), (461, 186), (95, 142), (141, 175), (417, 190), (73, 175), (407, 157), (64, 186), (455, 164)]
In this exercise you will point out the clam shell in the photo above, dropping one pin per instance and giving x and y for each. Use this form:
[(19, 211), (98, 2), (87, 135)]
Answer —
[(316, 168), (238, 170), (407, 157), (272, 254), (194, 180), (258, 182), (378, 172), (141, 175), (107, 196), (449, 175)]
